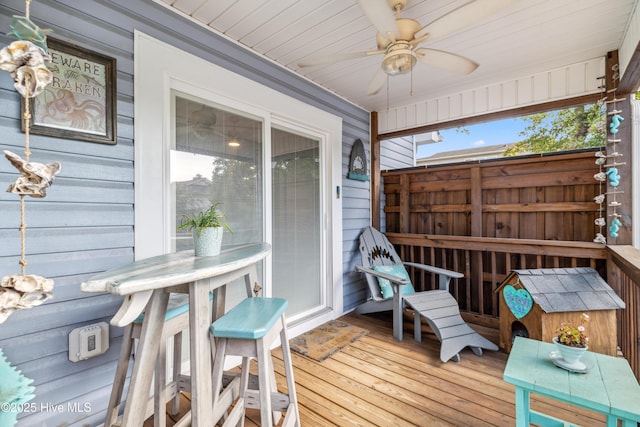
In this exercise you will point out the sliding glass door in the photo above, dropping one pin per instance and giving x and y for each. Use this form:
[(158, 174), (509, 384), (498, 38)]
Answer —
[(218, 157), (297, 212)]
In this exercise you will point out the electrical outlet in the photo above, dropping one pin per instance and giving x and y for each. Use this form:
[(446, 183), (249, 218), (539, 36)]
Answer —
[(88, 341)]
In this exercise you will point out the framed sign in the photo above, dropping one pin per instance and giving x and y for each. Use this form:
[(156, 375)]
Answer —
[(358, 162), (80, 102)]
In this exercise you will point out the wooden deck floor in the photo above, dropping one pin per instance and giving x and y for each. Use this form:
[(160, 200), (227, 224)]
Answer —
[(378, 381)]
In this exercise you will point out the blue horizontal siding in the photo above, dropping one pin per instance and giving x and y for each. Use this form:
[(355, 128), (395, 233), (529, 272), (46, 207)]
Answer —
[(68, 239), (60, 214)]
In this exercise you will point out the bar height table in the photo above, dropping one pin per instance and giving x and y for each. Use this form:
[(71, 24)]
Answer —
[(146, 285)]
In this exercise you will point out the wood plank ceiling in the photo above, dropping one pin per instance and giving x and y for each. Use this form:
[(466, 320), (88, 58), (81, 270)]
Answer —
[(527, 37)]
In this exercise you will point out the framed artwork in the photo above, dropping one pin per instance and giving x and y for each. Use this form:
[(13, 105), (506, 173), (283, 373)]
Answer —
[(80, 102), (358, 162)]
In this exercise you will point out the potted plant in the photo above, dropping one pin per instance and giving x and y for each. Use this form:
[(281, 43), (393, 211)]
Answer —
[(572, 340), (207, 227)]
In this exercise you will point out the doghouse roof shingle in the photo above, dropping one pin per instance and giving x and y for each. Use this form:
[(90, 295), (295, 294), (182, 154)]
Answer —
[(567, 289)]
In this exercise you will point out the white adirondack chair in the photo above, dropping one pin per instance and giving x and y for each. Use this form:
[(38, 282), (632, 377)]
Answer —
[(437, 307)]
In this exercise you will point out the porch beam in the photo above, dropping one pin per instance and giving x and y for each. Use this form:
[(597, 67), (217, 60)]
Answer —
[(505, 114), (630, 80), (375, 172)]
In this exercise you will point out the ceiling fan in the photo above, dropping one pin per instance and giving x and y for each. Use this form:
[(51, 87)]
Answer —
[(398, 38)]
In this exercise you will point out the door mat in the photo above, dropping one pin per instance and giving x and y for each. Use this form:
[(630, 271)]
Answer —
[(326, 339)]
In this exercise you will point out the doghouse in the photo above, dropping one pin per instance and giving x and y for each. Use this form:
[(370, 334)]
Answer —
[(533, 303)]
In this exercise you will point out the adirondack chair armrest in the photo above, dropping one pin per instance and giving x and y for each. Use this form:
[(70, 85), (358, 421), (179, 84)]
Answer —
[(444, 275), (436, 270), (390, 277)]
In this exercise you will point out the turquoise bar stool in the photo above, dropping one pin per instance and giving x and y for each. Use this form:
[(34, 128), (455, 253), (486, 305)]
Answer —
[(176, 321), (248, 330)]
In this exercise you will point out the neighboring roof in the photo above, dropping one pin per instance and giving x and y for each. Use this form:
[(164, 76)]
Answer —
[(483, 149), (465, 155), (567, 289)]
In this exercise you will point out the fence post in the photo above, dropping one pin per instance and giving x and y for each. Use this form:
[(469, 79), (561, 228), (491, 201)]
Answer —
[(476, 202), (405, 206)]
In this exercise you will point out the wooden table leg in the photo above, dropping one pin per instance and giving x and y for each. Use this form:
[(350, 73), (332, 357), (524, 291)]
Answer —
[(120, 377), (146, 354), (201, 367), (522, 407)]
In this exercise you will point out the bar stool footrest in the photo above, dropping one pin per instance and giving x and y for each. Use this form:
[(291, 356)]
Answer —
[(279, 401), (184, 383)]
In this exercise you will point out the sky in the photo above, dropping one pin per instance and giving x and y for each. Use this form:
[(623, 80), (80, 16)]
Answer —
[(185, 165), (498, 132)]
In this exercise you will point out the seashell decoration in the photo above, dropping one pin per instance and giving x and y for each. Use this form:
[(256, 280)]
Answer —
[(26, 63), (32, 80), (25, 60), (18, 292), (21, 53), (15, 391), (600, 238), (36, 177)]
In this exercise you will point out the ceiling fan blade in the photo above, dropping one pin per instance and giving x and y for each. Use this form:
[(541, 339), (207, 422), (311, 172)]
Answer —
[(380, 15), (463, 17), (338, 57), (446, 61), (377, 82)]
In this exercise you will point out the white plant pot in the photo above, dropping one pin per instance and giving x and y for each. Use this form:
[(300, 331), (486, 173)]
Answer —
[(571, 355), (207, 241)]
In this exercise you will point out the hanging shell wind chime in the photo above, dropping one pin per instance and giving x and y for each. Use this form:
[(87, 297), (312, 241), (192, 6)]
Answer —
[(25, 60)]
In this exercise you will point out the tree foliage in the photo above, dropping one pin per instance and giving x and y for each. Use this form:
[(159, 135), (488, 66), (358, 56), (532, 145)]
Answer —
[(561, 130)]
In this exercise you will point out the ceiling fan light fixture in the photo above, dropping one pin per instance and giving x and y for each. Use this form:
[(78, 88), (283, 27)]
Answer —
[(398, 61)]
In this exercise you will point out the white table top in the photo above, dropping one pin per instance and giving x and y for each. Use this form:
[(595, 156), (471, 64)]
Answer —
[(173, 269)]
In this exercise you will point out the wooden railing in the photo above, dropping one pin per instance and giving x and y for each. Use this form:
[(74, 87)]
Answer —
[(623, 275), (485, 262)]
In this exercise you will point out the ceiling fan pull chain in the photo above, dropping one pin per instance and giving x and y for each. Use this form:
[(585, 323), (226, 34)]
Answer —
[(411, 85), (387, 92)]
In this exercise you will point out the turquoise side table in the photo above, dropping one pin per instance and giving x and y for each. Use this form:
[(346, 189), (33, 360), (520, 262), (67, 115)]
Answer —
[(609, 387)]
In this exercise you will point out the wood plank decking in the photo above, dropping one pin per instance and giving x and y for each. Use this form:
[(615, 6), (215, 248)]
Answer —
[(378, 381)]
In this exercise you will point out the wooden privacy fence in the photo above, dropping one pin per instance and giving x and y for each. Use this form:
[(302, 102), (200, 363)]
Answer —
[(544, 198), (486, 219)]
